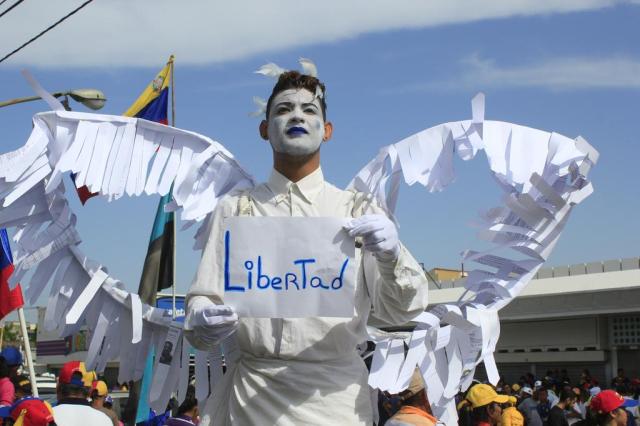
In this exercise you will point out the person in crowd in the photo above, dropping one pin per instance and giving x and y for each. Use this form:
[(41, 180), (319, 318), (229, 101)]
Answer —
[(22, 386), (99, 392), (187, 413), (627, 393), (7, 391), (544, 405), (415, 409), (507, 390), (486, 405), (620, 379), (579, 409), (108, 404), (635, 388), (388, 405), (464, 412), (552, 392), (585, 379), (510, 414), (13, 357), (73, 408), (29, 411), (515, 389), (529, 407), (557, 415), (608, 408)]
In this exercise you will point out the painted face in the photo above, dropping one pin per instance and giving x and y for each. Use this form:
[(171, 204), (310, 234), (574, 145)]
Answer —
[(295, 123)]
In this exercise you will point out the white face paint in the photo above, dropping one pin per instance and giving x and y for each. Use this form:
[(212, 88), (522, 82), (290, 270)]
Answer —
[(295, 124)]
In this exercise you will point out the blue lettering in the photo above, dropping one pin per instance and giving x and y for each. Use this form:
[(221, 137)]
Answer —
[(294, 281), (249, 266), (339, 278), (275, 283), (304, 271), (261, 276), (227, 284), (317, 282)]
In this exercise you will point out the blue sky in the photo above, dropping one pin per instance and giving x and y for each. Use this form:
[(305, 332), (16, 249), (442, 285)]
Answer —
[(573, 68)]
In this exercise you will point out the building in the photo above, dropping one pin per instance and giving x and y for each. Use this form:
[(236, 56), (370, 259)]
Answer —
[(572, 317)]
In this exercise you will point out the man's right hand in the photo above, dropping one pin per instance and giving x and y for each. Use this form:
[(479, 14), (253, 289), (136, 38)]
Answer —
[(211, 323)]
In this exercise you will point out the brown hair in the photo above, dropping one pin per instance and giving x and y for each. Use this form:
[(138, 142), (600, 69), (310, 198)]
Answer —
[(296, 80)]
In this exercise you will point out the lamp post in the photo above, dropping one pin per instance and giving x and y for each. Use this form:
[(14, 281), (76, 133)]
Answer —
[(91, 98)]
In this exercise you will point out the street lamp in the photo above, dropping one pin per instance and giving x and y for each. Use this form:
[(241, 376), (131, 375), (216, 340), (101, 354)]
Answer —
[(91, 98)]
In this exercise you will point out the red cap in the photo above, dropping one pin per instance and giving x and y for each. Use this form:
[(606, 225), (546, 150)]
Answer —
[(608, 400), (68, 369), (31, 411)]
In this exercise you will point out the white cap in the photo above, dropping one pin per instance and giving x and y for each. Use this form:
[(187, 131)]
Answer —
[(527, 390), (594, 391)]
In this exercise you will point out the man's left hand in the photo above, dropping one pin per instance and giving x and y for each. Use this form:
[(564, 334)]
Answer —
[(378, 233)]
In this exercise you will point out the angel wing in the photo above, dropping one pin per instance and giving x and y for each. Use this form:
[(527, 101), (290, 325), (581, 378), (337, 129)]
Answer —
[(543, 176), (113, 156)]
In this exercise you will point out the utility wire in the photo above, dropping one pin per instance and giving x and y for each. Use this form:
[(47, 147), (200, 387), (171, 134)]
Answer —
[(45, 31), (10, 7)]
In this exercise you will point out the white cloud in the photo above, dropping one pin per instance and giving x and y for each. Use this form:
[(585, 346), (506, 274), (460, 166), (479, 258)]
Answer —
[(567, 73), (138, 32)]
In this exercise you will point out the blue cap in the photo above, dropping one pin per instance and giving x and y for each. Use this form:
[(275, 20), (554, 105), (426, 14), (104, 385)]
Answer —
[(12, 356), (628, 402)]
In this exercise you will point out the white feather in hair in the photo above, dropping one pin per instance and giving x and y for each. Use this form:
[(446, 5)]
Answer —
[(271, 70), (308, 67)]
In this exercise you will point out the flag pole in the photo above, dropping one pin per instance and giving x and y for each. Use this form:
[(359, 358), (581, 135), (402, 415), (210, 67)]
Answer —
[(27, 351), (173, 123)]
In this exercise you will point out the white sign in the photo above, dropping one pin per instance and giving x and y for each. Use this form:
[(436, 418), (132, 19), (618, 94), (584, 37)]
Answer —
[(289, 267)]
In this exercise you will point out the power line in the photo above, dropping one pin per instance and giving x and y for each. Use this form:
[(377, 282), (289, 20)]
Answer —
[(46, 30), (10, 7)]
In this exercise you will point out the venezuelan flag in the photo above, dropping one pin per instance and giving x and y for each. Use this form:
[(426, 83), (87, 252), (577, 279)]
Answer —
[(152, 104)]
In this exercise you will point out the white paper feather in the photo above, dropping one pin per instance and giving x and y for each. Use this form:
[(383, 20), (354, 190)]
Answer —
[(308, 67), (271, 70)]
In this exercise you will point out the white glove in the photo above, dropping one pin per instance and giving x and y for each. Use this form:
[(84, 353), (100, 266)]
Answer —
[(211, 323), (378, 233)]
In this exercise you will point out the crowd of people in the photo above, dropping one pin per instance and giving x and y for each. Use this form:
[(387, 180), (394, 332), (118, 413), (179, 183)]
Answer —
[(81, 399), (551, 401)]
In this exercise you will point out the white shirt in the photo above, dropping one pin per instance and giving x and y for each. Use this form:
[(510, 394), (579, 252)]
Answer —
[(305, 370), (79, 415)]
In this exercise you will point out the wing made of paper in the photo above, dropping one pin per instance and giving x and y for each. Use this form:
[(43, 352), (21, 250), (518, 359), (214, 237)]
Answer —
[(542, 176), (113, 156)]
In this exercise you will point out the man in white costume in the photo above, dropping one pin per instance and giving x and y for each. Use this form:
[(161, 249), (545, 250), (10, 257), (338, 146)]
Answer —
[(302, 370)]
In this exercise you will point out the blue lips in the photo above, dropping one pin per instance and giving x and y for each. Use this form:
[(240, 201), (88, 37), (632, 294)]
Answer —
[(296, 131)]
